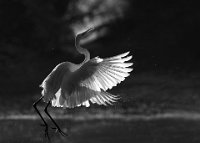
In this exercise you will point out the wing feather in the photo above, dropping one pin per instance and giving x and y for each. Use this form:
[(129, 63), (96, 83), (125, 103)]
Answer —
[(111, 79), (119, 71), (106, 99), (106, 79), (118, 77), (82, 96), (96, 101), (92, 100), (98, 83), (114, 76), (103, 79), (106, 72), (99, 100)]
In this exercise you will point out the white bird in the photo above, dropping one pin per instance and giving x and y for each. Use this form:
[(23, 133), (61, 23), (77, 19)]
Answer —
[(71, 85)]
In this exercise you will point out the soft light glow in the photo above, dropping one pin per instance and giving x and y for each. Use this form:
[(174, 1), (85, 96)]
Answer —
[(96, 13)]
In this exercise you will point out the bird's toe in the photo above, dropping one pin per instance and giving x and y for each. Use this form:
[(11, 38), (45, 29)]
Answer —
[(60, 131)]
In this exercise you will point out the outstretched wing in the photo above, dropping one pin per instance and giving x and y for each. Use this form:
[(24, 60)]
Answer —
[(93, 79), (103, 74)]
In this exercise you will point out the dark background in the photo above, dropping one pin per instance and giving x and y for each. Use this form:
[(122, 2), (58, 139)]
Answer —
[(162, 36), (36, 35)]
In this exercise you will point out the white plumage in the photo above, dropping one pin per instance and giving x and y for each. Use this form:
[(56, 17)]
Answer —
[(70, 85)]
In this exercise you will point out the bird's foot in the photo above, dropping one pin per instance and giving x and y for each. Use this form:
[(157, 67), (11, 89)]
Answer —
[(46, 133), (60, 131)]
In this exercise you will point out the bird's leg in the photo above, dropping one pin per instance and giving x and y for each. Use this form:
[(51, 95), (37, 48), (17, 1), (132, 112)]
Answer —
[(57, 127), (45, 123)]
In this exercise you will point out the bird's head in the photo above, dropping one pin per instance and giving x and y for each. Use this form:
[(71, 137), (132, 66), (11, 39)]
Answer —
[(84, 33)]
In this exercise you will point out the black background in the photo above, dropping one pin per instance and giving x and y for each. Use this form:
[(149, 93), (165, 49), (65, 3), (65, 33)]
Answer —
[(162, 36)]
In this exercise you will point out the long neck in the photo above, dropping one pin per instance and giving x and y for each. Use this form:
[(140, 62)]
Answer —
[(81, 50)]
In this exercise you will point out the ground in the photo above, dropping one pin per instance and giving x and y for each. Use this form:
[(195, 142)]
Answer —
[(165, 129), (153, 108)]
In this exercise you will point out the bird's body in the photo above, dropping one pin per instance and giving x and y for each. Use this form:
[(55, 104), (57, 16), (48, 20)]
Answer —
[(70, 85)]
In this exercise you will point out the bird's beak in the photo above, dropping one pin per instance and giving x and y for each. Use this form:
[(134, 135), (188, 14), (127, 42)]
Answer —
[(89, 30), (85, 33)]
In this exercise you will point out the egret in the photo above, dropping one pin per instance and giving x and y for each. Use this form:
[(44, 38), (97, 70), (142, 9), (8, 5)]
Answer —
[(71, 85)]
